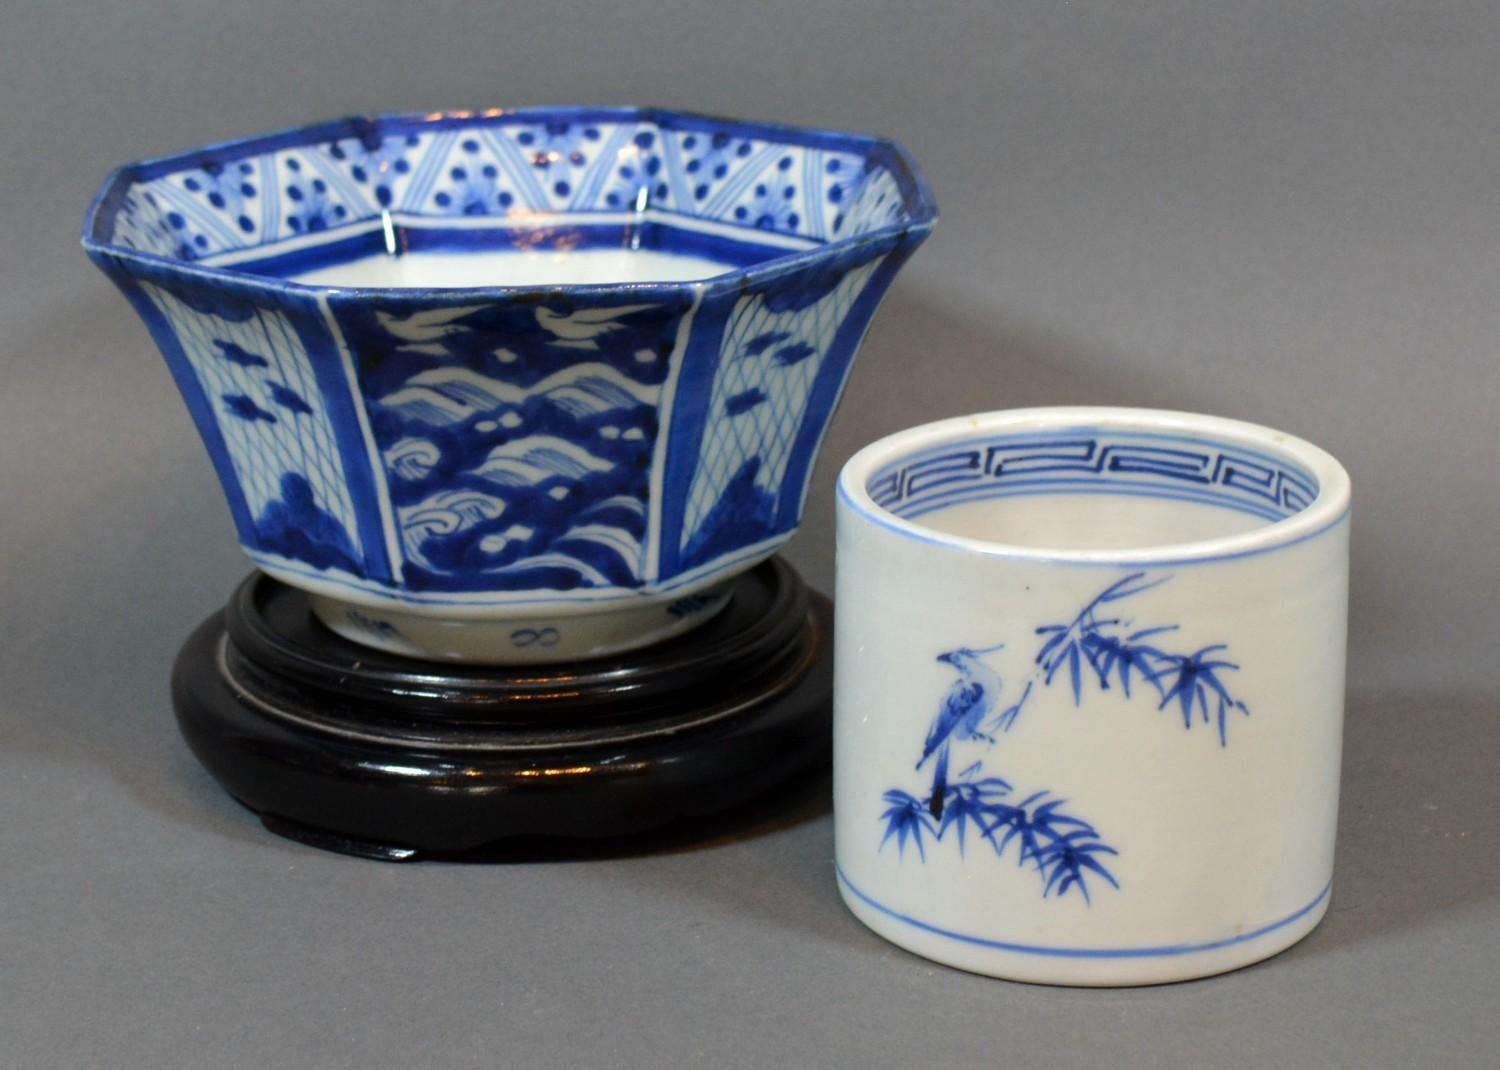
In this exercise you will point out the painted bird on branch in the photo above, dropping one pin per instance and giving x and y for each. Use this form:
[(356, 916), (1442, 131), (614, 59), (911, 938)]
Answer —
[(968, 704)]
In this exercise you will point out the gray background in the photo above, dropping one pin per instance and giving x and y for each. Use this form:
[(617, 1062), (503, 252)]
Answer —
[(1281, 212)]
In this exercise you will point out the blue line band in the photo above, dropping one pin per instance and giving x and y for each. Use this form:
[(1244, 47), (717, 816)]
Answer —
[(1026, 488), (1160, 951)]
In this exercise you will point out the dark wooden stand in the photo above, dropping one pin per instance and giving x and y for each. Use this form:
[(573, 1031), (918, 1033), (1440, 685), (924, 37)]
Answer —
[(348, 749)]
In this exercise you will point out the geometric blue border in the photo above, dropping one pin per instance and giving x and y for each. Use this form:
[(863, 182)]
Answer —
[(973, 441), (392, 124), (1181, 466), (921, 210), (882, 519), (1159, 951)]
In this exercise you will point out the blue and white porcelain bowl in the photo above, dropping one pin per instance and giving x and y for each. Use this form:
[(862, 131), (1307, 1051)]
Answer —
[(513, 386)]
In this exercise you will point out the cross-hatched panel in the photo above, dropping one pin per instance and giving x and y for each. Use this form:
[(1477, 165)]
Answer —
[(264, 394), (767, 366)]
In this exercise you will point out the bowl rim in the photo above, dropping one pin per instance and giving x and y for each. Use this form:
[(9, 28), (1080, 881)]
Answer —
[(915, 191), (1328, 509)]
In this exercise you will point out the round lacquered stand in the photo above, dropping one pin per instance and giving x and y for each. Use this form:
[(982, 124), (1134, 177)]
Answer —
[(345, 748)]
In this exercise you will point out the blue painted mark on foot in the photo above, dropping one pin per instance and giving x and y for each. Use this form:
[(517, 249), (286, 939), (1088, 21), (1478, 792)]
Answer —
[(693, 603), (382, 629), (525, 637)]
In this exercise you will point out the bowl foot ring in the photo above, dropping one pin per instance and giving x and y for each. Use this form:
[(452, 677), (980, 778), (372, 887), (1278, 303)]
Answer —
[(348, 749)]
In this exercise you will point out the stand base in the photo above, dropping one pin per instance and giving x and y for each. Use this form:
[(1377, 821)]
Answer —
[(345, 748)]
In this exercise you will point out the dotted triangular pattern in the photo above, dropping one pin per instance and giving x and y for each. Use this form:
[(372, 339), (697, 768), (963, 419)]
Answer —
[(633, 172), (769, 428), (313, 195), (495, 170), (561, 156), (144, 222), (466, 174), (709, 170), (382, 168), (869, 202)]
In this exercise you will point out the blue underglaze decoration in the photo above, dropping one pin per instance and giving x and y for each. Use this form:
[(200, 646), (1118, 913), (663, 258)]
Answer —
[(760, 343), (558, 143), (773, 207), (288, 398), (692, 604), (1101, 648), (208, 300), (229, 191), (1054, 951), (822, 187), (580, 442), (1064, 851), (380, 629), (709, 157), (744, 514), (639, 179), (744, 401), (283, 464), (562, 154), (235, 354), (143, 223), (525, 637), (379, 163), (795, 353), (244, 407), (758, 403), (473, 185), (1097, 647), (863, 201), (310, 205), (1094, 461), (294, 525), (517, 438)]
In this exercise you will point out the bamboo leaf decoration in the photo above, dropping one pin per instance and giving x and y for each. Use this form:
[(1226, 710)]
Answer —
[(1098, 648)]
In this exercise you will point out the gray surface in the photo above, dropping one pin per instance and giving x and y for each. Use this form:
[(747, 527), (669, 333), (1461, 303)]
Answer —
[(1284, 213)]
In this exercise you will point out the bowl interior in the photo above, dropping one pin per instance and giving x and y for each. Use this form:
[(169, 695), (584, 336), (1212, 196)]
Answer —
[(548, 197)]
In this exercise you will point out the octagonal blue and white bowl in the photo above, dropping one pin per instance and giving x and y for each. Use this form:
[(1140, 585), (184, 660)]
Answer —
[(513, 386)]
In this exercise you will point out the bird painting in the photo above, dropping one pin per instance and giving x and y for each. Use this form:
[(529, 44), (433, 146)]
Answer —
[(962, 716)]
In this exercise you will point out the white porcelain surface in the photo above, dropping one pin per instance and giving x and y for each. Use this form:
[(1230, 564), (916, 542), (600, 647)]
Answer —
[(534, 267), (1086, 836), (540, 640)]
